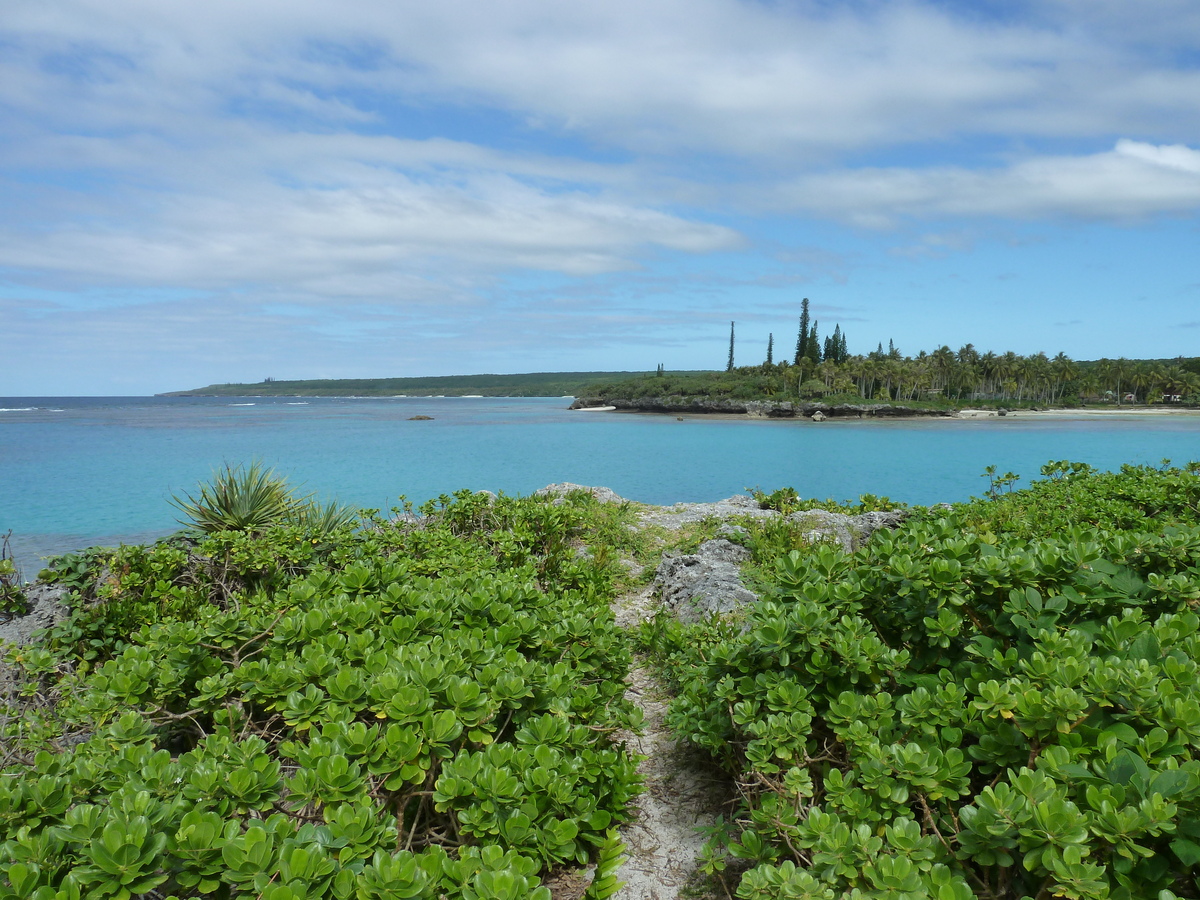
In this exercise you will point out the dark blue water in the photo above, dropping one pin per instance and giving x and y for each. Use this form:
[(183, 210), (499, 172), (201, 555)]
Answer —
[(80, 471)]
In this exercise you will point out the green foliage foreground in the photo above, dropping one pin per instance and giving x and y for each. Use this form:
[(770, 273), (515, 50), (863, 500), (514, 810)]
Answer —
[(407, 709), (988, 702), (999, 700)]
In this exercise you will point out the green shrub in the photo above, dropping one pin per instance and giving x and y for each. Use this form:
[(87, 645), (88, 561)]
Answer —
[(998, 701), (385, 712), (12, 598)]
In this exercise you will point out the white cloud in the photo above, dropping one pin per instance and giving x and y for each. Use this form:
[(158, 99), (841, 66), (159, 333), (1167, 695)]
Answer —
[(760, 81), (1132, 181), (1176, 156), (310, 238)]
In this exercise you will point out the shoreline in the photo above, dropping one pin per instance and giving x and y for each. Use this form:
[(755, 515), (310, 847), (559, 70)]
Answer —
[(1077, 413), (724, 408)]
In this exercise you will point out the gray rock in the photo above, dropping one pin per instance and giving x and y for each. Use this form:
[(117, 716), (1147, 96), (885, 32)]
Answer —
[(740, 501), (732, 532), (603, 494), (46, 609), (848, 532), (705, 583), (682, 514), (818, 416)]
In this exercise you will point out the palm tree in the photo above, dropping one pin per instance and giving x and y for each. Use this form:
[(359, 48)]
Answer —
[(942, 361), (1064, 371), (1006, 372), (1120, 371), (989, 367), (1038, 369)]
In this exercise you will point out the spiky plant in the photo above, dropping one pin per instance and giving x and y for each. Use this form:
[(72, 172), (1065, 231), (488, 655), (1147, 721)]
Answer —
[(240, 498), (324, 518)]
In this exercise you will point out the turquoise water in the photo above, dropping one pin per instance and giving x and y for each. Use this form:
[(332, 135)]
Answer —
[(80, 471)]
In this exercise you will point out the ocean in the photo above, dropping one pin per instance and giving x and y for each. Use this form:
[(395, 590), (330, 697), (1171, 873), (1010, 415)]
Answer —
[(80, 471)]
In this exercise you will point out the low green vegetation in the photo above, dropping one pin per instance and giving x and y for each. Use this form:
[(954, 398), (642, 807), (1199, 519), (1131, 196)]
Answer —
[(392, 708), (12, 598), (999, 700), (534, 384)]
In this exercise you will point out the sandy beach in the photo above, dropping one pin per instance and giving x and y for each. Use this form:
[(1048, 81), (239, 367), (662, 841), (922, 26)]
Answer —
[(1109, 412)]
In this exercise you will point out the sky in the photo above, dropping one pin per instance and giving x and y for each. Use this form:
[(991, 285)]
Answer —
[(193, 193)]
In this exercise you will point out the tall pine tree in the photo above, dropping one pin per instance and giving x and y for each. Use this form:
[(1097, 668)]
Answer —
[(771, 349), (835, 346), (729, 365), (802, 338), (813, 350)]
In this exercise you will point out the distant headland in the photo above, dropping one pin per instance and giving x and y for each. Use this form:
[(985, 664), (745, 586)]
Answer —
[(533, 384), (815, 384)]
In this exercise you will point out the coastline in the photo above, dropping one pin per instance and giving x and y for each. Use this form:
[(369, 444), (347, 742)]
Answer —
[(725, 408), (1077, 413)]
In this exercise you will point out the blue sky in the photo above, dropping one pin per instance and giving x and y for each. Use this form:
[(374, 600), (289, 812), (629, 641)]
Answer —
[(197, 193)]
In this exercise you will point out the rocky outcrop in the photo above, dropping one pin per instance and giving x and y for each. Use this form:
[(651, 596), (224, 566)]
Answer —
[(848, 532), (681, 515), (603, 494), (767, 409), (46, 609), (697, 585)]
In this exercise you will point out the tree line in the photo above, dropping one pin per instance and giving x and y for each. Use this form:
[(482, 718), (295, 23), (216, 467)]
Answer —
[(826, 368)]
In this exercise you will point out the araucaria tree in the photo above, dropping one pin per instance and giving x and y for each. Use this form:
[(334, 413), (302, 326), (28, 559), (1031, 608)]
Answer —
[(835, 346), (771, 349), (802, 337), (812, 349), (729, 365)]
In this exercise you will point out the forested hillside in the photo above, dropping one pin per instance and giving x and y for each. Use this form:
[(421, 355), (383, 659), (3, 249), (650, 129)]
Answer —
[(942, 376)]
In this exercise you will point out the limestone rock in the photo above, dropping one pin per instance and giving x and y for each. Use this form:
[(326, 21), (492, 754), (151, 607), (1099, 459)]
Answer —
[(603, 494), (697, 585), (732, 532), (46, 609), (849, 532)]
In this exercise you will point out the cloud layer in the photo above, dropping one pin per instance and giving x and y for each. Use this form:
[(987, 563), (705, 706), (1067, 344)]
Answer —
[(416, 155)]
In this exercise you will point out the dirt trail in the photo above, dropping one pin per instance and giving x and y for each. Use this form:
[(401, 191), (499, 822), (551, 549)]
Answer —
[(683, 792)]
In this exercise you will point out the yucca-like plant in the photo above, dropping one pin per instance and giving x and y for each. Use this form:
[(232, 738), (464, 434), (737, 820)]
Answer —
[(324, 518), (240, 498)]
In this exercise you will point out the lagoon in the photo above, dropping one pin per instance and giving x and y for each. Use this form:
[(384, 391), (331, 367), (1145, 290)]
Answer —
[(80, 471)]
